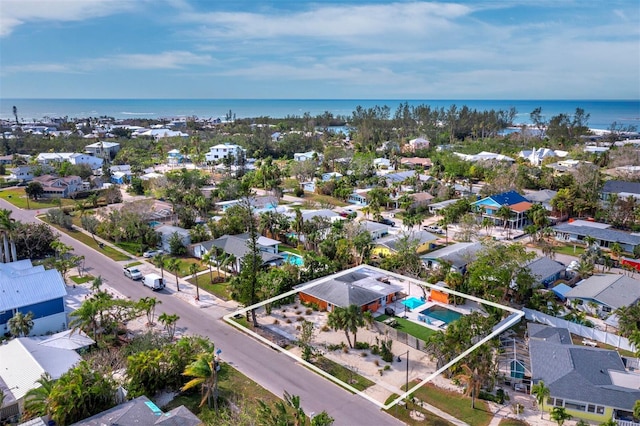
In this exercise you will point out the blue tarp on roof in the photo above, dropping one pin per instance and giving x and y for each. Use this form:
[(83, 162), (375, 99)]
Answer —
[(560, 290)]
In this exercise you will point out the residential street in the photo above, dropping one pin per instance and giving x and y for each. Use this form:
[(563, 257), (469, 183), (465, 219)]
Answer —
[(267, 367)]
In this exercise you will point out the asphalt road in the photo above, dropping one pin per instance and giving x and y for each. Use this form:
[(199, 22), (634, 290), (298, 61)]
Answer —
[(271, 369)]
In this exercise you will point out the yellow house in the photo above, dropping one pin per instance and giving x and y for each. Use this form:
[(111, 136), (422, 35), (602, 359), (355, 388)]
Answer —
[(389, 245), (588, 382)]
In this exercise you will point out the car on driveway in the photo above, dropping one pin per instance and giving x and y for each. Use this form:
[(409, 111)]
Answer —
[(151, 253), (386, 221), (133, 273)]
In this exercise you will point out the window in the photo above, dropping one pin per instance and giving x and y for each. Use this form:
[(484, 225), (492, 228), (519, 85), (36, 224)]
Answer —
[(606, 309), (570, 405), (599, 409), (591, 408)]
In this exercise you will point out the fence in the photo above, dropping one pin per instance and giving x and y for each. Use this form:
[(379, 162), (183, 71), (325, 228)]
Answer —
[(400, 336), (580, 330)]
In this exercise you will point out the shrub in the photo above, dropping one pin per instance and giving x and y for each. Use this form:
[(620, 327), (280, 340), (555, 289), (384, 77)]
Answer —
[(376, 363), (345, 349), (298, 312), (362, 345), (363, 354), (288, 321), (386, 367), (309, 311), (335, 347), (276, 322), (325, 328), (298, 192), (300, 318)]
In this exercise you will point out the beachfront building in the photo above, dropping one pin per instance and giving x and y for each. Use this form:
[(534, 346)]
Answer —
[(218, 153), (518, 205)]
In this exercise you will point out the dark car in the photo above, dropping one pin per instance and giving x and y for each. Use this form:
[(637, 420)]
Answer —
[(386, 221)]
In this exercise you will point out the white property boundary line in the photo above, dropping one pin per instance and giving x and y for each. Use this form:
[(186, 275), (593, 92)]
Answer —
[(514, 318)]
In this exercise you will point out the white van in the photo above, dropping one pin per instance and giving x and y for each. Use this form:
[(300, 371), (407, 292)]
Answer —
[(153, 281)]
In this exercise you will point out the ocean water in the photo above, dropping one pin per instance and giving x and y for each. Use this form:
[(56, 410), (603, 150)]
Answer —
[(603, 113)]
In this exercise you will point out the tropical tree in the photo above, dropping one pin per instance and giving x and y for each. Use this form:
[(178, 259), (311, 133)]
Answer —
[(161, 262), (80, 393), (347, 319), (174, 266), (616, 250), (7, 229), (34, 190), (208, 259), (504, 213), (37, 402), (170, 323), (193, 270), (560, 415), (96, 283), (148, 305), (541, 392), (204, 373), (472, 381), (21, 324), (636, 410)]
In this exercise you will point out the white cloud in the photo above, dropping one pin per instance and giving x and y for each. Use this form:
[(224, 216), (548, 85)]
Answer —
[(14, 13)]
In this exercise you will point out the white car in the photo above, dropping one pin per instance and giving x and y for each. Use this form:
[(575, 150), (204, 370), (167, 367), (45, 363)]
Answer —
[(152, 253), (133, 273)]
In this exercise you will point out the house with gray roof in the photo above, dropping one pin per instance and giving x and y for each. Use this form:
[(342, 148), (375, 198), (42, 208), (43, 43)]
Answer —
[(365, 288), (423, 241), (575, 232), (608, 291), (142, 411), (589, 383), (620, 188), (167, 232), (24, 360), (377, 230), (546, 270), (457, 255), (238, 247)]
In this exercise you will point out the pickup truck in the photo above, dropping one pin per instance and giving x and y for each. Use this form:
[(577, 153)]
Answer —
[(133, 273)]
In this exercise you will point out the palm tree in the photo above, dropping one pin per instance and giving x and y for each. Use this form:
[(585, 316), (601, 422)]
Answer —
[(96, 283), (15, 114), (161, 262), (559, 415), (85, 318), (204, 371), (541, 392), (7, 228), (589, 241), (348, 319), (636, 410), (193, 270), (21, 324), (616, 250), (37, 402), (174, 266), (169, 322), (504, 213), (148, 305), (472, 381), (487, 224), (207, 258)]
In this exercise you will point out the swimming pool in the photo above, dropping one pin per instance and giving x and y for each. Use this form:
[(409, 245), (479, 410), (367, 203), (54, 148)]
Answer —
[(154, 223), (412, 302), (441, 313), (292, 258)]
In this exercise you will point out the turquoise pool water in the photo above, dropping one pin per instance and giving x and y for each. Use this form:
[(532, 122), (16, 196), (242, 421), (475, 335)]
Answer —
[(292, 258), (412, 302), (441, 313), (154, 223)]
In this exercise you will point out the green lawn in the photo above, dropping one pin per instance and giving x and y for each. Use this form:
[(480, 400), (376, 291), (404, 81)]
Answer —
[(220, 290), (324, 199), (232, 385), (81, 279), (403, 413), (131, 247), (512, 422), (87, 240), (129, 265), (18, 198), (456, 404), (340, 372), (568, 250), (410, 327)]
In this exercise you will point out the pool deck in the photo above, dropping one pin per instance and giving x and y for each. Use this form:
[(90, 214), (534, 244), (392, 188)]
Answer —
[(414, 315)]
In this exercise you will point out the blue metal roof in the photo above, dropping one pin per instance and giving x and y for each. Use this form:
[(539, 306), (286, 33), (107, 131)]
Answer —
[(509, 198)]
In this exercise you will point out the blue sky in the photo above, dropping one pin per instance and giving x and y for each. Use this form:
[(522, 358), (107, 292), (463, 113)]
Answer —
[(369, 49)]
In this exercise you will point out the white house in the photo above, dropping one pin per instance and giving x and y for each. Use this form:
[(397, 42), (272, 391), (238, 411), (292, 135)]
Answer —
[(107, 150), (221, 151), (304, 156), (90, 160), (535, 156)]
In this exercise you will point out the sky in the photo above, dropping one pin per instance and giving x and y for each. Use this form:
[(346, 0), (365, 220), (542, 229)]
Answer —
[(298, 49)]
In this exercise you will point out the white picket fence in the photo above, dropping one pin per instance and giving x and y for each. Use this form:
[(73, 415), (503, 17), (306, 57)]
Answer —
[(580, 330)]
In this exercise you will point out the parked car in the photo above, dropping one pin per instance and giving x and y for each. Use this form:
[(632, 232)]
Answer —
[(153, 281), (386, 221), (133, 273), (152, 253)]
